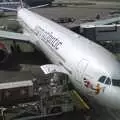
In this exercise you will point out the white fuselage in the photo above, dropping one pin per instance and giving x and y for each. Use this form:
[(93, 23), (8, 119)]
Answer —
[(82, 58)]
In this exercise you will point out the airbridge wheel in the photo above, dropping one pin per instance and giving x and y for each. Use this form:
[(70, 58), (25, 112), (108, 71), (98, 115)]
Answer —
[(3, 55)]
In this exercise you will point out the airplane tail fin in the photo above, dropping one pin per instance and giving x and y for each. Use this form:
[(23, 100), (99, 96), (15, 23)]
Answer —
[(39, 6), (22, 5)]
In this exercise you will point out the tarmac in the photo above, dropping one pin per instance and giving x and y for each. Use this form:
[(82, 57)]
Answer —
[(80, 13)]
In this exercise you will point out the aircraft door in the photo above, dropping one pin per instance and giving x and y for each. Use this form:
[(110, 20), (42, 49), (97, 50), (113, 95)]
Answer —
[(82, 66), (107, 86)]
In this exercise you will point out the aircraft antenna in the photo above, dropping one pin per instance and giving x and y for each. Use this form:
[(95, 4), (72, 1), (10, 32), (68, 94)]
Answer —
[(21, 4)]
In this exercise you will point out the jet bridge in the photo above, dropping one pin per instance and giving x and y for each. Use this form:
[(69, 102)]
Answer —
[(102, 32)]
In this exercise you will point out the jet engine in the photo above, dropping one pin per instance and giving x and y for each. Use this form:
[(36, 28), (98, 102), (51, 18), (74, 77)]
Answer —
[(3, 53)]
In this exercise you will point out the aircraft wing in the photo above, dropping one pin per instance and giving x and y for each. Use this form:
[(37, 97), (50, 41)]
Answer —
[(14, 36)]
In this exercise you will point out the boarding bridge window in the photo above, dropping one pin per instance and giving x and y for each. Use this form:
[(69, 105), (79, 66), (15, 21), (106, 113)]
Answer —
[(108, 81), (116, 82), (102, 79)]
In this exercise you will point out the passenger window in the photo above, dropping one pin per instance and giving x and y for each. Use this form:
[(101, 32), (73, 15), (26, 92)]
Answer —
[(102, 79), (108, 81)]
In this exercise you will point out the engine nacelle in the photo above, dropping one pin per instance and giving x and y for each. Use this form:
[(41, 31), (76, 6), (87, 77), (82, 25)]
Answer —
[(3, 53)]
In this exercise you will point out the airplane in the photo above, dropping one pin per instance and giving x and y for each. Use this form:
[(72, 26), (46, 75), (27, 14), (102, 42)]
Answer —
[(92, 70)]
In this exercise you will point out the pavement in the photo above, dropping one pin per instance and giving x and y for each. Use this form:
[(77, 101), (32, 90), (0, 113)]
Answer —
[(80, 13)]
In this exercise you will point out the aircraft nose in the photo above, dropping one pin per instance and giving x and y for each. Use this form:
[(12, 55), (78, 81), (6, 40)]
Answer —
[(115, 97)]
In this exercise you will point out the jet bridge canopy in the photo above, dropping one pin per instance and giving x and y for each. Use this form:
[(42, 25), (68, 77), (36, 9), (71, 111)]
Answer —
[(102, 33)]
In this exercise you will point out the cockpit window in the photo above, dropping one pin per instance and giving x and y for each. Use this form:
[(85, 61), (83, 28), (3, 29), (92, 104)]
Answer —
[(108, 81), (116, 82), (102, 79)]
